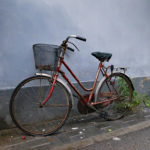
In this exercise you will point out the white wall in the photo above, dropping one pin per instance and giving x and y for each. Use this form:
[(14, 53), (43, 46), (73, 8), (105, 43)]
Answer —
[(121, 27)]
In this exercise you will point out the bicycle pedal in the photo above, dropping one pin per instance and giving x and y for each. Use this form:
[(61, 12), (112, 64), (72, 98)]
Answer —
[(104, 114)]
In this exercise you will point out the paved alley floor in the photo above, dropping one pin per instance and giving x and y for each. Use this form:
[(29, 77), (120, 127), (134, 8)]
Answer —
[(79, 132)]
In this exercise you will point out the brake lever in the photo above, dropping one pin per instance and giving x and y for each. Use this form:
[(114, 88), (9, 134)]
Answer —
[(71, 49), (74, 45)]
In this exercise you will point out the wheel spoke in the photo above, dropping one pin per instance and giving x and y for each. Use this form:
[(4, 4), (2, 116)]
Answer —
[(56, 105), (29, 115), (114, 92)]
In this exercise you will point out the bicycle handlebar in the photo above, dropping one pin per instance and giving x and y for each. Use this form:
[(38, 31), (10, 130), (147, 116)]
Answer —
[(81, 38), (67, 41), (77, 37)]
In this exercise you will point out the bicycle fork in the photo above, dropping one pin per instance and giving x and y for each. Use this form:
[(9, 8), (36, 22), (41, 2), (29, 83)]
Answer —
[(51, 91)]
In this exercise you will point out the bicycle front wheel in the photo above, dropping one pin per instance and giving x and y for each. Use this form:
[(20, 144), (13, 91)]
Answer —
[(27, 113), (115, 94)]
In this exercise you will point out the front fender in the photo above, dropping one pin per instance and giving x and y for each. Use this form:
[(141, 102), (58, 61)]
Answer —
[(63, 83)]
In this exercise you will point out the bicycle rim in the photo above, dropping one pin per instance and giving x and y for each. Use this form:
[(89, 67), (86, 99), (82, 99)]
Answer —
[(25, 107), (115, 92)]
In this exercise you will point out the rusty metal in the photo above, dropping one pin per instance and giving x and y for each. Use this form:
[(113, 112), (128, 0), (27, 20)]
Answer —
[(85, 101), (55, 105), (82, 106), (71, 72)]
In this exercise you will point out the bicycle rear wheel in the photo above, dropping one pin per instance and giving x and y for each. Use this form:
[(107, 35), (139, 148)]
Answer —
[(115, 92), (27, 113)]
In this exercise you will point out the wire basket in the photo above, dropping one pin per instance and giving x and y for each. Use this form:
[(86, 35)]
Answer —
[(46, 56)]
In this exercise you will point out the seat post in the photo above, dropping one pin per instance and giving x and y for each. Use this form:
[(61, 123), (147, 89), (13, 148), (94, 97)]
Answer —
[(95, 82)]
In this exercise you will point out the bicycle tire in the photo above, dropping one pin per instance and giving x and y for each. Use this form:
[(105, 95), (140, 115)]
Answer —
[(25, 108), (119, 85)]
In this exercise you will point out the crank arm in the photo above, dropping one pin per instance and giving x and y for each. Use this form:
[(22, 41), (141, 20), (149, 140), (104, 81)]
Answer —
[(102, 113)]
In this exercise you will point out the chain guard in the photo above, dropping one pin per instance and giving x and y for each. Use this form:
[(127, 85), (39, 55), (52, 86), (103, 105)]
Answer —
[(82, 107)]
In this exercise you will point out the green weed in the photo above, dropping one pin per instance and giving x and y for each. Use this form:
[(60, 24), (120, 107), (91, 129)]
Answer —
[(138, 100)]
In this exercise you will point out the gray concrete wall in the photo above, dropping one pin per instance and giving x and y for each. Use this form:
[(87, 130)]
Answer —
[(141, 84), (120, 27)]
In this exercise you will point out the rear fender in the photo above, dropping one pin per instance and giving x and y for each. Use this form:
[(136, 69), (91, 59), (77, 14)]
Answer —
[(102, 80)]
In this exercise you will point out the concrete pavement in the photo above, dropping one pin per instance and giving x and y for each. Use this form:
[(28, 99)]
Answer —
[(137, 138), (78, 132)]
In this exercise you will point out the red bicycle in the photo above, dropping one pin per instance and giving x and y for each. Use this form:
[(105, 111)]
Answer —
[(41, 104)]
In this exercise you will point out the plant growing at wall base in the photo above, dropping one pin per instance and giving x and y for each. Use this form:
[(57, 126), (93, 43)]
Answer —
[(138, 100)]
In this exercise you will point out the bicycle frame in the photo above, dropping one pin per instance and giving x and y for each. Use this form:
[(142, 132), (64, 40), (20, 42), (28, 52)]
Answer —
[(114, 86), (81, 85), (85, 100), (61, 61)]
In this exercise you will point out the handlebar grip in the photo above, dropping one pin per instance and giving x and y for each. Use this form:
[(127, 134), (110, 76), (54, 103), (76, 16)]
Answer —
[(81, 38)]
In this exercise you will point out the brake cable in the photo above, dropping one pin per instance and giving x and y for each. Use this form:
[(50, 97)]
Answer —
[(74, 45)]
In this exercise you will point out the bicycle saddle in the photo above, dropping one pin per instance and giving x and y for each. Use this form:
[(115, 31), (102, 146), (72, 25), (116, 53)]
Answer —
[(102, 56)]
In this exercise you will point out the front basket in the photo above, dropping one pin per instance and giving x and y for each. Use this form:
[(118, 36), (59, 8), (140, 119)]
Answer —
[(46, 56)]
